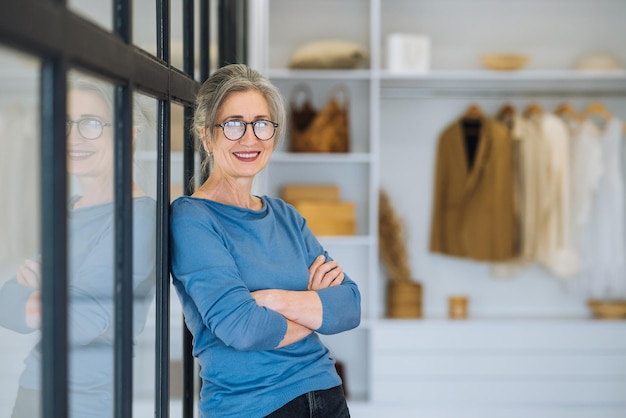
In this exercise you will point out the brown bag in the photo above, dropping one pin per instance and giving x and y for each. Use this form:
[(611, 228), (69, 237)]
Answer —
[(323, 131)]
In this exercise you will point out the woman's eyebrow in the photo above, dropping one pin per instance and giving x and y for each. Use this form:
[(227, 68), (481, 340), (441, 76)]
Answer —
[(90, 115), (240, 117)]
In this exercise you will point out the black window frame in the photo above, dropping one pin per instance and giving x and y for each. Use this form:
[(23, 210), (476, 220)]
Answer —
[(63, 41)]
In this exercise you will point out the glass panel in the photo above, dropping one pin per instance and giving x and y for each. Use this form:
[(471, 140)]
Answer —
[(99, 12), (19, 233), (91, 239), (90, 143), (144, 253), (144, 25), (145, 35), (176, 24)]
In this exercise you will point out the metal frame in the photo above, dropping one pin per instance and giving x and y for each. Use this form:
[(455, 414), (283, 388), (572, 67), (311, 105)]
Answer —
[(54, 231), (63, 40)]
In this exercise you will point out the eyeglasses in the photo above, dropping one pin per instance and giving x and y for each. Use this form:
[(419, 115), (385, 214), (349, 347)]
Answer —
[(87, 128), (234, 130)]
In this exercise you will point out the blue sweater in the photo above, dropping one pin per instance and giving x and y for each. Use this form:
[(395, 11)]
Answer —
[(220, 253)]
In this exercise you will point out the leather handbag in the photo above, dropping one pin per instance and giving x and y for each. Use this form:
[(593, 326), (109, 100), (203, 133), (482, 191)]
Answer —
[(326, 130)]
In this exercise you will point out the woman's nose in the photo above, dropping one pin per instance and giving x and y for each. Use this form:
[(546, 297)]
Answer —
[(249, 136), (70, 130)]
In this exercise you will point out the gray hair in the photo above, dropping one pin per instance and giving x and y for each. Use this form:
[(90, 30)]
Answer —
[(229, 79)]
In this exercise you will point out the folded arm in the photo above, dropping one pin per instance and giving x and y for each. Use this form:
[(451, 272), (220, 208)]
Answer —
[(306, 308)]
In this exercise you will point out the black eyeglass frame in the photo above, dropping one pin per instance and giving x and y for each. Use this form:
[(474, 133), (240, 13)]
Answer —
[(245, 128), (69, 123)]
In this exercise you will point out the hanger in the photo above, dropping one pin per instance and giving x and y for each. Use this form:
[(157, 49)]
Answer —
[(533, 109), (473, 112), (566, 110), (506, 111), (597, 109)]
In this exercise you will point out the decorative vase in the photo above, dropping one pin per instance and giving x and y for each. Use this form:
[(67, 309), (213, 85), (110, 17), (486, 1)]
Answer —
[(404, 299)]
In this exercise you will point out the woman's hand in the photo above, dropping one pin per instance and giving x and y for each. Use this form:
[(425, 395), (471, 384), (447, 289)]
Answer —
[(323, 274), (265, 298), (30, 273), (33, 310), (303, 307)]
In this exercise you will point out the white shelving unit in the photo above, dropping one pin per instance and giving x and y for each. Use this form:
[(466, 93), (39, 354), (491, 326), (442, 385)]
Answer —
[(395, 121)]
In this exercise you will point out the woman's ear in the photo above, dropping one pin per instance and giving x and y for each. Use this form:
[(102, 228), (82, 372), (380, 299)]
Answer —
[(205, 141)]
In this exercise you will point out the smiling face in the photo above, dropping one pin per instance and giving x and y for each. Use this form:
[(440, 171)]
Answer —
[(247, 156), (89, 158)]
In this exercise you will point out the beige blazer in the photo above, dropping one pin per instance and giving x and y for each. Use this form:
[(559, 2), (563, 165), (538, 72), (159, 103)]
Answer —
[(473, 213)]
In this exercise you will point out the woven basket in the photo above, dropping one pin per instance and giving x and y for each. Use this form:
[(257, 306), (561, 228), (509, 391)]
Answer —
[(608, 309), (404, 299), (504, 62)]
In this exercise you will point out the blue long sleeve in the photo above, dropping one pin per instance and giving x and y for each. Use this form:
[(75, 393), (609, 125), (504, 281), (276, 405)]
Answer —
[(212, 290), (219, 255), (91, 301), (13, 297)]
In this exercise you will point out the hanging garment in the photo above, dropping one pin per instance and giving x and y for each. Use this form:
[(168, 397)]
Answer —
[(473, 206), (532, 152), (555, 245), (587, 168), (602, 239), (518, 132)]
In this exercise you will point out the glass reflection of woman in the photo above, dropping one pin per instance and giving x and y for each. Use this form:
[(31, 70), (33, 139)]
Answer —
[(90, 263)]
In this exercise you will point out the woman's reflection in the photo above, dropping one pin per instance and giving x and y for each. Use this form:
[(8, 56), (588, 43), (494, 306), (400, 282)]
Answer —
[(90, 161)]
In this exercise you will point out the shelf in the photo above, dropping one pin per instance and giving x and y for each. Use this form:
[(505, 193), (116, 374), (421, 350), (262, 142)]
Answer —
[(287, 74), (519, 75), (390, 78), (477, 322), (331, 158), (485, 83)]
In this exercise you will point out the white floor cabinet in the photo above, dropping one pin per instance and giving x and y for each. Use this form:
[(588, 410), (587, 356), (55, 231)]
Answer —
[(529, 349)]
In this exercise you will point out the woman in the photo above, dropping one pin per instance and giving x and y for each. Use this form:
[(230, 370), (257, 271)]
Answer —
[(255, 284), (90, 263)]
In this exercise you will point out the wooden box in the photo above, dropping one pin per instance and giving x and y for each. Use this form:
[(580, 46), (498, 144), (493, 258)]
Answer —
[(327, 217), (292, 193)]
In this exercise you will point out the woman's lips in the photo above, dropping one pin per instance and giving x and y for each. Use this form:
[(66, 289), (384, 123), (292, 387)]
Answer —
[(80, 155), (246, 156)]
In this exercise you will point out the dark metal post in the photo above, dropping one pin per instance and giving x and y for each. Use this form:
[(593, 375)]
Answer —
[(54, 344), (123, 204), (123, 254), (162, 360), (225, 23), (188, 167), (162, 371), (205, 51)]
